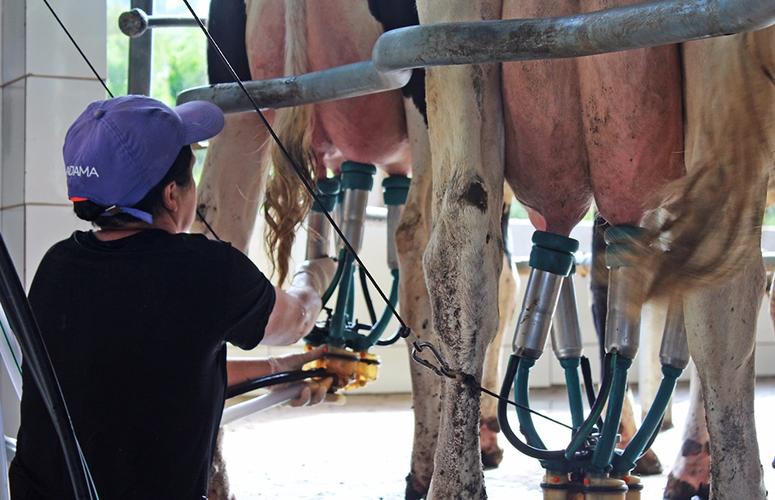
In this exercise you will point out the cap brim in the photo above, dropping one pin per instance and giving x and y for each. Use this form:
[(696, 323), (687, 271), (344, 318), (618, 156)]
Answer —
[(201, 120)]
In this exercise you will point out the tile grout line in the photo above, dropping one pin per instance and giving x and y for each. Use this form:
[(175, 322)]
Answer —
[(47, 76)]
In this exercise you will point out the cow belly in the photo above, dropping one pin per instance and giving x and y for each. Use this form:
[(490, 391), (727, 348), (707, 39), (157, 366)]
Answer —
[(265, 38), (546, 160), (633, 122), (369, 129)]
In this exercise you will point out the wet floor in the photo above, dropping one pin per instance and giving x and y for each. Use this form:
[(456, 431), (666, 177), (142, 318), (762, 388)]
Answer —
[(361, 450)]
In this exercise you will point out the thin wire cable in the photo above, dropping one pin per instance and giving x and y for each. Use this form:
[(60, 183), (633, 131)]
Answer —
[(301, 177), (78, 48), (526, 408), (296, 168), (105, 86), (207, 225)]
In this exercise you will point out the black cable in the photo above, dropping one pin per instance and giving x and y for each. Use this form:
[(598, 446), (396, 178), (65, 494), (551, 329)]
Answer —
[(105, 86), (296, 168), (523, 407), (207, 225), (586, 373), (78, 48), (392, 340), (503, 419), (273, 379), (37, 360), (367, 296)]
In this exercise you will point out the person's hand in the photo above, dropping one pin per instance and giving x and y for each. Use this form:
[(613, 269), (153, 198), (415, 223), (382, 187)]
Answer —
[(314, 391), (316, 274)]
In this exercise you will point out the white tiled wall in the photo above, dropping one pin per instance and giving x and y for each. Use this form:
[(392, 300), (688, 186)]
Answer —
[(45, 84), (52, 105), (50, 52)]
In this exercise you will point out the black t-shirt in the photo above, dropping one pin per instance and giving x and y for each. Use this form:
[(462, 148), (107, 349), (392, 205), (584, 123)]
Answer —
[(136, 330)]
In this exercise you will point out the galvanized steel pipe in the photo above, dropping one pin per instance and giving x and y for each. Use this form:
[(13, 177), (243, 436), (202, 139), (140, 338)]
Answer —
[(341, 82), (631, 27), (397, 51)]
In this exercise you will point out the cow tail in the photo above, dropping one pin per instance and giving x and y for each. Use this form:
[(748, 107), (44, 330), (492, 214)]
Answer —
[(287, 201)]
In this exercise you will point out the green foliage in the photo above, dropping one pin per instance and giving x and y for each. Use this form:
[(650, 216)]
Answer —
[(118, 48), (179, 54)]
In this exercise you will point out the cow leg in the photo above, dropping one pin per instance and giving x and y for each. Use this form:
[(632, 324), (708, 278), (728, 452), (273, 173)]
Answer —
[(411, 239), (464, 255), (721, 329), (690, 475), (233, 179), (508, 285)]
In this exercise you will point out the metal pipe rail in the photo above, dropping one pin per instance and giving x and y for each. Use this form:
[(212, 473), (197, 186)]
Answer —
[(636, 26), (341, 82), (136, 22), (622, 28)]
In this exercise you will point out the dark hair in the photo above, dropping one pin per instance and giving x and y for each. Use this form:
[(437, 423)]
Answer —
[(179, 173)]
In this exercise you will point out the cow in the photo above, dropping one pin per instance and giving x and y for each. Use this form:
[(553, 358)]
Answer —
[(730, 150), (623, 144), (270, 38), (613, 127)]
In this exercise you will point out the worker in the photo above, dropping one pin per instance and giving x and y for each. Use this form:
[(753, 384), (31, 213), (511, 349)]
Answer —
[(136, 314)]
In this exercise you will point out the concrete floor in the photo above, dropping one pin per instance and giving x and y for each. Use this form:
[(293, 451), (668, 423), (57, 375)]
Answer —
[(361, 450)]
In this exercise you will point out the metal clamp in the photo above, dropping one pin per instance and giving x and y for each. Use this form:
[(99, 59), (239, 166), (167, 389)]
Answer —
[(443, 370)]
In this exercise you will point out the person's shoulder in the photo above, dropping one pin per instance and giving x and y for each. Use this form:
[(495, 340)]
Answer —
[(66, 245), (203, 246)]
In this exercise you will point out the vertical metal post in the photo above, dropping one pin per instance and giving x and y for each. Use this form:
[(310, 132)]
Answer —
[(140, 51)]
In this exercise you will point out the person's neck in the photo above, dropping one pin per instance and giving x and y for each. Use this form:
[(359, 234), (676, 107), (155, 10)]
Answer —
[(111, 234)]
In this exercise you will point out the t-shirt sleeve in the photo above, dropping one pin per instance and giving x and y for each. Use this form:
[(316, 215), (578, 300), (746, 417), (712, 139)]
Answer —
[(249, 302)]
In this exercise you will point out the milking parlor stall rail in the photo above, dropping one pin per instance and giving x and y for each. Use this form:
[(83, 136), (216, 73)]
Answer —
[(591, 453)]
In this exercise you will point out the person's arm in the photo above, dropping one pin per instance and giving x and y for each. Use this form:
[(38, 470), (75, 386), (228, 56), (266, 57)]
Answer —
[(242, 370), (296, 310), (314, 391)]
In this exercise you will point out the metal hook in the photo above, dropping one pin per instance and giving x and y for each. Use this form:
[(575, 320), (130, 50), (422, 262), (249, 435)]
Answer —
[(442, 370)]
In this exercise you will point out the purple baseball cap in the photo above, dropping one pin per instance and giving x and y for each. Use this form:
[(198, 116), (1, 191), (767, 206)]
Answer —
[(118, 149)]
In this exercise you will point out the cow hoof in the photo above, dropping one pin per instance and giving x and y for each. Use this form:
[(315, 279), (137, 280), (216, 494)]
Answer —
[(677, 489), (492, 454), (648, 465), (413, 491), (492, 459)]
